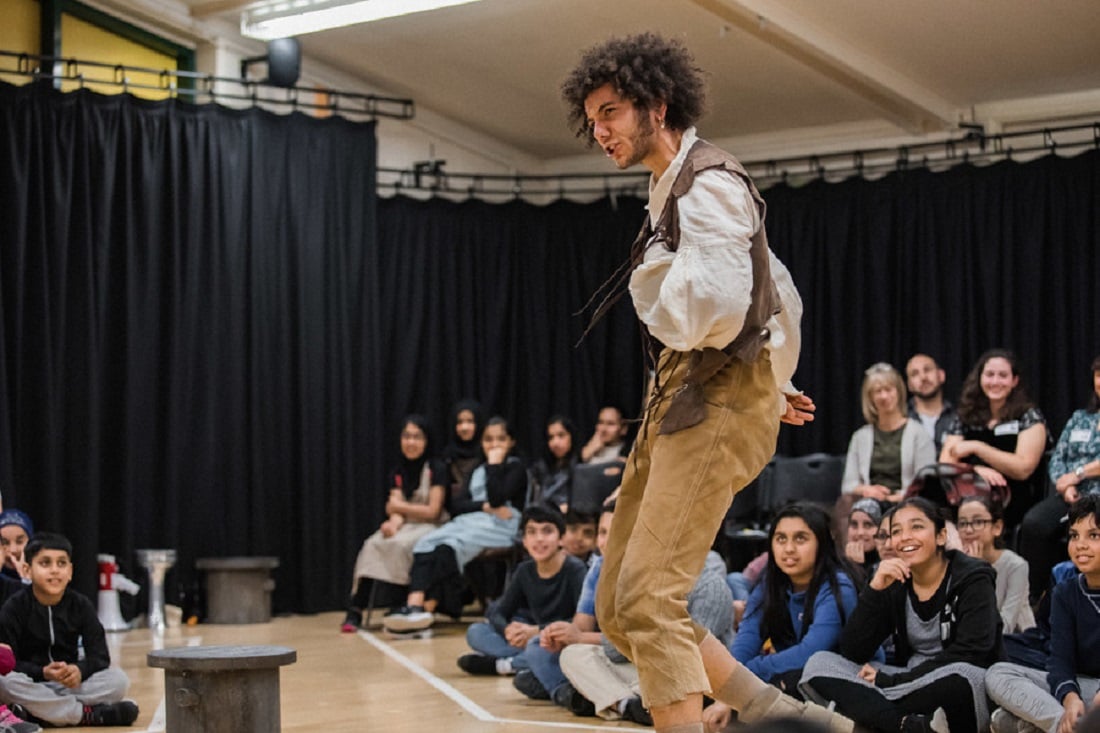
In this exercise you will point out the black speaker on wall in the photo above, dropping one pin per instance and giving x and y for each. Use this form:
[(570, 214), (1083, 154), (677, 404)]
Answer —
[(284, 62)]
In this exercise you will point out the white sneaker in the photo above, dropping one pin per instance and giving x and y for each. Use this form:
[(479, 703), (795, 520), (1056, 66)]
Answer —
[(1003, 721), (408, 618)]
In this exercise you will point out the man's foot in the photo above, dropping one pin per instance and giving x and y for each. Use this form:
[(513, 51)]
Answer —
[(771, 703), (11, 722), (635, 712), (526, 682), (110, 713), (566, 696), (478, 664), (407, 618), (352, 621)]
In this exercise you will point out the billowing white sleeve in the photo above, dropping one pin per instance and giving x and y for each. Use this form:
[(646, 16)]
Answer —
[(785, 327), (698, 296)]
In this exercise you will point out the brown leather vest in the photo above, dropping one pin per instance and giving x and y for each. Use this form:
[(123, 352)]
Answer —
[(765, 298)]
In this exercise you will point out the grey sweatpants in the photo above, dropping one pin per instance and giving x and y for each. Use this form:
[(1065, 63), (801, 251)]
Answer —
[(60, 705), (1024, 692)]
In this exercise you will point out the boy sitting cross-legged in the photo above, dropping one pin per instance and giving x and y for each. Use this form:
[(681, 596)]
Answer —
[(43, 627), (1056, 700), (545, 588)]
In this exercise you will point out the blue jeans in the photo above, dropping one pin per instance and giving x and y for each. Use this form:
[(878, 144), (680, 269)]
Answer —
[(484, 639), (545, 665)]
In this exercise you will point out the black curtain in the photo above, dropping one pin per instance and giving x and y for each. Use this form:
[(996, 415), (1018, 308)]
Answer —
[(210, 327), (189, 352), (951, 264), (482, 300)]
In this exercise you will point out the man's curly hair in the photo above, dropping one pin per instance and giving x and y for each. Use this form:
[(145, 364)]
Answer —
[(646, 69)]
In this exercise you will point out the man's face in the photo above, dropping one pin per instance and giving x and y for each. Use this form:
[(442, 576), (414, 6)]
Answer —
[(626, 134), (609, 426), (925, 379)]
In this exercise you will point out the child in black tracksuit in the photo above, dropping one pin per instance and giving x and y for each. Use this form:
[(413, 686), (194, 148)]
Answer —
[(44, 626)]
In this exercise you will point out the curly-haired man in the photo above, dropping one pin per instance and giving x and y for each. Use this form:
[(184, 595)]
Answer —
[(722, 317)]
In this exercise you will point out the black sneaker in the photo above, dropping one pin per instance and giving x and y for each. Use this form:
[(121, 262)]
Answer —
[(352, 621), (110, 713), (916, 723), (635, 712), (477, 664), (566, 696), (526, 682)]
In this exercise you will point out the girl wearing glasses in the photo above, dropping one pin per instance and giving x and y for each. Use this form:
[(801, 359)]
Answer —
[(981, 523)]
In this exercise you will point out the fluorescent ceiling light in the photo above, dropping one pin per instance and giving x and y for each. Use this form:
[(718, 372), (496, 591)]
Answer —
[(287, 18)]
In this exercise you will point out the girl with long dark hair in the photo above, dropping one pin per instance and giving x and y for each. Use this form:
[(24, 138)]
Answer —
[(799, 607), (553, 473), (414, 507)]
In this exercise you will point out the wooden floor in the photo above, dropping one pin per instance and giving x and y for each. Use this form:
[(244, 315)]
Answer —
[(358, 682)]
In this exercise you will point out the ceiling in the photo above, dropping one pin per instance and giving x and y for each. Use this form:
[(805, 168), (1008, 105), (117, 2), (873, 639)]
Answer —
[(781, 70)]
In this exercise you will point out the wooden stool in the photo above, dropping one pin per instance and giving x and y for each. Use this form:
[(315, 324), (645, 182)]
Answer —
[(222, 689), (238, 589)]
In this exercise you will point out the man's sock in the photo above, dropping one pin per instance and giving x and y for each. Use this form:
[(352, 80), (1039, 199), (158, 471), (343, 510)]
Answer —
[(740, 687)]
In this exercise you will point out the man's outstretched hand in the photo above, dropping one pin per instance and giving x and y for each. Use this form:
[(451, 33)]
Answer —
[(800, 409)]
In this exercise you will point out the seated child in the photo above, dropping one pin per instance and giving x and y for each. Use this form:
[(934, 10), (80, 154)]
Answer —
[(863, 524), (1056, 700), (418, 490), (44, 628), (941, 609), (600, 674), (16, 530), (485, 516), (797, 609), (981, 524), (579, 539), (544, 680), (546, 588)]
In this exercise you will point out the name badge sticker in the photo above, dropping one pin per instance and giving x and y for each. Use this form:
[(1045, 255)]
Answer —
[(1011, 427), (1080, 435)]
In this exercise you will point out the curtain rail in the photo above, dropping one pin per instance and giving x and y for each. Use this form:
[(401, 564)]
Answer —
[(973, 147), (196, 85)]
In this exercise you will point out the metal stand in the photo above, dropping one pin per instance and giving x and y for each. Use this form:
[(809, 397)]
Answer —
[(157, 562)]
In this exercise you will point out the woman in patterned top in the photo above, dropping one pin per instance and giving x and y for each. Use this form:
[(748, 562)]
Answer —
[(1075, 471)]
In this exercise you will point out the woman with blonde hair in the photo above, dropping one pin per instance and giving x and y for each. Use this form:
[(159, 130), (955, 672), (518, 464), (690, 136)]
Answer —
[(885, 454)]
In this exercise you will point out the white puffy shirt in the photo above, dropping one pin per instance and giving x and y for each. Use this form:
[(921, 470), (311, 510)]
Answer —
[(698, 295)]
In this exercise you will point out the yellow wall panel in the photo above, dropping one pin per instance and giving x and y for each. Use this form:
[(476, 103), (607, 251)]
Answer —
[(90, 42), (19, 33)]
